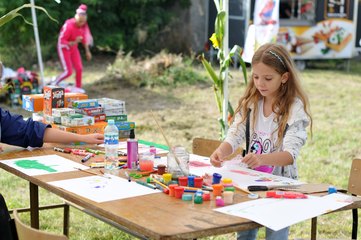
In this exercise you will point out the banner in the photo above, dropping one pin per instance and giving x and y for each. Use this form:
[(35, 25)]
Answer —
[(265, 27)]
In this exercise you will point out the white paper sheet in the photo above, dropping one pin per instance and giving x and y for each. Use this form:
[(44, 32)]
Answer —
[(46, 164), (241, 176), (280, 213), (101, 189)]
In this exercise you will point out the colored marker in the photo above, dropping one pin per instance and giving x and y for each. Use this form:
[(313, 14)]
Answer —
[(63, 150), (97, 164), (96, 152), (86, 158)]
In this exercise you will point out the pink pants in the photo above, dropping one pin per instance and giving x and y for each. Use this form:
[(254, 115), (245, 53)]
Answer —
[(70, 58)]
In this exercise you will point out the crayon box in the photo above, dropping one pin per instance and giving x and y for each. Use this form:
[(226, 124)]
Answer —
[(53, 98)]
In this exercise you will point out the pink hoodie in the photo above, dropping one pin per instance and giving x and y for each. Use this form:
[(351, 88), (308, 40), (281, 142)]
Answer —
[(70, 31)]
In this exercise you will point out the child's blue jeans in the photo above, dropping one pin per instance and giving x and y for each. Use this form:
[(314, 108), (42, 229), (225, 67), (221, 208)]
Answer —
[(270, 234)]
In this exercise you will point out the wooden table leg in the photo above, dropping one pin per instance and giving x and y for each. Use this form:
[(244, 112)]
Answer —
[(66, 221), (34, 205), (314, 228)]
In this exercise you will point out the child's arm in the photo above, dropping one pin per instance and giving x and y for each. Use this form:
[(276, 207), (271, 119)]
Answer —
[(52, 135)]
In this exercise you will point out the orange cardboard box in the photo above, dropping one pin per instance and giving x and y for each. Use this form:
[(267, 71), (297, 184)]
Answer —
[(70, 97), (33, 102), (98, 127)]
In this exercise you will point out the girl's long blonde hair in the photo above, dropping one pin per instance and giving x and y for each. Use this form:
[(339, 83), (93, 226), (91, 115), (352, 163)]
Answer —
[(278, 58)]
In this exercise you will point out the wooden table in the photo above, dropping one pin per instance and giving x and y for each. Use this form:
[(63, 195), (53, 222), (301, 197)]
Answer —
[(147, 216)]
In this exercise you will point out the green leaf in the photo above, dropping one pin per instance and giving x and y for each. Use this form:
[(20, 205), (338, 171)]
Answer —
[(230, 108), (219, 27), (244, 70), (236, 50), (210, 70), (14, 13)]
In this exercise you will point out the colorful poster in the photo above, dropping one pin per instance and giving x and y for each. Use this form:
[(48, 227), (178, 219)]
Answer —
[(328, 39), (40, 165)]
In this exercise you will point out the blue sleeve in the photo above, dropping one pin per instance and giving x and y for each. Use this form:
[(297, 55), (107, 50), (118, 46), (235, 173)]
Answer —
[(16, 131)]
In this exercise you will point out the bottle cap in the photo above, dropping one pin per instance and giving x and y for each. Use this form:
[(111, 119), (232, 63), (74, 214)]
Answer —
[(226, 181), (111, 121), (131, 134), (332, 189), (187, 197)]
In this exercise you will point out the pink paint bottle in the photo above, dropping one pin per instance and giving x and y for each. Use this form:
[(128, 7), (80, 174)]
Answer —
[(132, 151)]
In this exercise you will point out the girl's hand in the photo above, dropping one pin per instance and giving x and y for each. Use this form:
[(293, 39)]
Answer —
[(253, 160), (95, 138), (78, 39), (88, 55), (217, 158), (1, 149)]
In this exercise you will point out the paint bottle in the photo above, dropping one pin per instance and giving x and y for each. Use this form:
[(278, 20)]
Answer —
[(178, 162), (216, 178), (217, 189), (132, 151), (219, 201), (228, 197)]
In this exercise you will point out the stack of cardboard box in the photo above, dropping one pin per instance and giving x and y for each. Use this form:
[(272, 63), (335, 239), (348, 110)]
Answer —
[(74, 112)]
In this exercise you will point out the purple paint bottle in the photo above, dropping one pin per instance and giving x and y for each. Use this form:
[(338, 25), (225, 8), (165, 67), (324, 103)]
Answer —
[(132, 151)]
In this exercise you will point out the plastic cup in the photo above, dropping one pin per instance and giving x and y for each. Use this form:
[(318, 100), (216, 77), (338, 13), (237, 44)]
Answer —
[(146, 161)]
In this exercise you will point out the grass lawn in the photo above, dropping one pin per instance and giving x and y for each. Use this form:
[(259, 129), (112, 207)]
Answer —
[(189, 112)]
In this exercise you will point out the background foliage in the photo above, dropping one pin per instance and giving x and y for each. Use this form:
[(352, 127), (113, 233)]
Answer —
[(115, 24)]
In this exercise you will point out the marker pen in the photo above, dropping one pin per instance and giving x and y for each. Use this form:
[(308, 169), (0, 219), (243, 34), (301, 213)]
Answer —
[(63, 150), (87, 157)]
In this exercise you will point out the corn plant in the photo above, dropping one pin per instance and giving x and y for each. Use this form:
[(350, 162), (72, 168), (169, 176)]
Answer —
[(224, 61)]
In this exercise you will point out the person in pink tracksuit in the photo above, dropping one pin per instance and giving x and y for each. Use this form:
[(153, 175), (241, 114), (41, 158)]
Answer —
[(74, 31)]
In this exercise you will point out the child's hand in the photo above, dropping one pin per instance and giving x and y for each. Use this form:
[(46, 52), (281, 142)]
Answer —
[(253, 160), (1, 149), (78, 39), (95, 138), (217, 158)]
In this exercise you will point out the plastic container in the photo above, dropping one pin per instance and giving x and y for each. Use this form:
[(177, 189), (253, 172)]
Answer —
[(175, 168), (146, 161), (183, 181), (228, 197), (217, 189), (216, 178), (171, 189), (167, 177), (111, 144), (178, 192), (198, 182)]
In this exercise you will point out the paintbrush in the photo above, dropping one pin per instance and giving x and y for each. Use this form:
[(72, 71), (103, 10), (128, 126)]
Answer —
[(166, 140), (93, 173)]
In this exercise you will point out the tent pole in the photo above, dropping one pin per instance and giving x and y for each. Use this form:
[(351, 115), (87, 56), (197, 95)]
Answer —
[(37, 41), (226, 52)]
